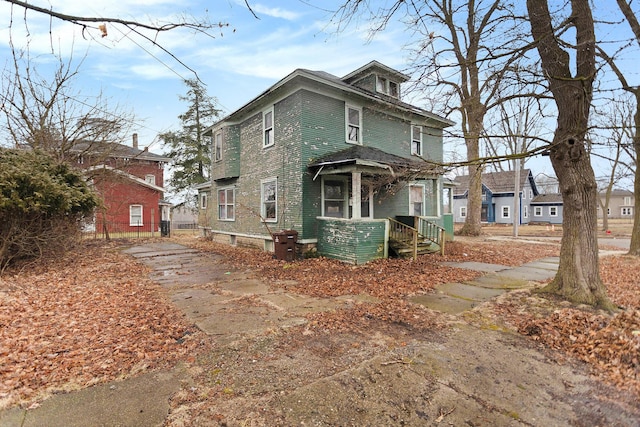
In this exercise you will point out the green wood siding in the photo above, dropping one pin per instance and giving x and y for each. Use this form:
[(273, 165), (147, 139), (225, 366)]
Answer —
[(229, 166), (356, 242)]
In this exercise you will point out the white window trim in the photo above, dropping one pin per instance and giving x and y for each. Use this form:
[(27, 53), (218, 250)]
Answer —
[(626, 211), (537, 211), (226, 203), (131, 223), (502, 211), (463, 211), (264, 128), (347, 124), (422, 201), (345, 207), (413, 138), (627, 201), (217, 134), (525, 211), (263, 211), (531, 194), (386, 86), (203, 201), (551, 208), (150, 179)]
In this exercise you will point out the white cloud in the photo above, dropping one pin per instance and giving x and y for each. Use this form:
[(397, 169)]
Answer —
[(275, 12)]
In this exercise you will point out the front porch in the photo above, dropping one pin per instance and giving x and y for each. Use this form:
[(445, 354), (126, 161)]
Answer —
[(362, 240)]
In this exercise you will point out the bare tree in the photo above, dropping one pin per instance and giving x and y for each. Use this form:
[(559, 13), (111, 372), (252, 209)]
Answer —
[(632, 19), (514, 127), (614, 128), (46, 113), (466, 49), (578, 277), (97, 27)]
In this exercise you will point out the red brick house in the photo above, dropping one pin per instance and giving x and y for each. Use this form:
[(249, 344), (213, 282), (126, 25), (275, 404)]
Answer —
[(130, 182)]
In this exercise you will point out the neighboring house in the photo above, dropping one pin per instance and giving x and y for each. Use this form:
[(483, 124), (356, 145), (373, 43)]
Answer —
[(184, 216), (621, 204), (498, 189), (130, 183), (547, 209), (335, 159)]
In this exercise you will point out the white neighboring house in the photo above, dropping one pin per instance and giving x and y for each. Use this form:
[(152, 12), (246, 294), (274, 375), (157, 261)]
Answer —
[(621, 204)]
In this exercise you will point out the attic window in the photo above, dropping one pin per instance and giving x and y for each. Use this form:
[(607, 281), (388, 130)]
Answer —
[(387, 87)]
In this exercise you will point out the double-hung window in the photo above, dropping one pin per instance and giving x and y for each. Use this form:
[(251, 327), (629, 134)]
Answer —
[(416, 200), (416, 140), (217, 146), (334, 197), (463, 211), (203, 201), (269, 197), (537, 211), (135, 215), (226, 204), (267, 128), (354, 125), (506, 212), (553, 211)]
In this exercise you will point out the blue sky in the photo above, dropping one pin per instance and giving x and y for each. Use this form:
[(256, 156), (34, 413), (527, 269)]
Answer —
[(242, 60)]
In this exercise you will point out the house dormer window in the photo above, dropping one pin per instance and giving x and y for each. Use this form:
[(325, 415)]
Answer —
[(267, 128), (416, 140), (387, 87), (354, 125)]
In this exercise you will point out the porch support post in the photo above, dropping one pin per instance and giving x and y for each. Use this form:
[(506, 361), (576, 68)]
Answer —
[(356, 193)]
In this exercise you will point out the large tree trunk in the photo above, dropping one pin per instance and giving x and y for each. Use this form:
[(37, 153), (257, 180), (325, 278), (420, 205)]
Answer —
[(472, 224), (475, 112), (578, 278)]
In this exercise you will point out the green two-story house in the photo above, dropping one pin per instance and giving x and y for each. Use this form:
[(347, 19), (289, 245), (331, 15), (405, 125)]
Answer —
[(342, 161)]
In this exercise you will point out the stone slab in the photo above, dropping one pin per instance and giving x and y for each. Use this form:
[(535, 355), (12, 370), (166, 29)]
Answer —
[(477, 266), (527, 273), (495, 281), (443, 303), (469, 291), (139, 401)]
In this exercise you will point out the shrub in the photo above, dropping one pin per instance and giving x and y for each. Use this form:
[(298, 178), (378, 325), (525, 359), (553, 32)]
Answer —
[(42, 204)]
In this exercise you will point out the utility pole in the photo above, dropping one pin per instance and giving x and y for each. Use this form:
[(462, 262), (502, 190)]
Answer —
[(516, 187)]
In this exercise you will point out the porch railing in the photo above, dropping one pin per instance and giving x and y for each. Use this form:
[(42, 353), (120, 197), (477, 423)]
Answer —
[(431, 231), (422, 230)]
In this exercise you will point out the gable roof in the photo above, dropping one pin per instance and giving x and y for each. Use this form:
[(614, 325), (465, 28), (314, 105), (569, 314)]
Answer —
[(377, 67), (301, 76), (372, 157), (552, 198), (115, 150), (128, 176), (497, 182)]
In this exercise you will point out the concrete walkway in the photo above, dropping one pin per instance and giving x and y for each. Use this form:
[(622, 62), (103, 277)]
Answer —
[(455, 298), (208, 292)]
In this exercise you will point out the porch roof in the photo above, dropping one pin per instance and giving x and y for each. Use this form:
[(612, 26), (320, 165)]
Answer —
[(369, 157)]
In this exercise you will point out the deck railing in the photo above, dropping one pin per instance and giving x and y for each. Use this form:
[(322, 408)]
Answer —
[(422, 229)]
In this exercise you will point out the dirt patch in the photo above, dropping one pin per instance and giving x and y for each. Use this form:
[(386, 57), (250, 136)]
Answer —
[(457, 374)]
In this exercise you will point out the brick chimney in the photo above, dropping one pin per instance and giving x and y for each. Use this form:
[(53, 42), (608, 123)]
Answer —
[(135, 141)]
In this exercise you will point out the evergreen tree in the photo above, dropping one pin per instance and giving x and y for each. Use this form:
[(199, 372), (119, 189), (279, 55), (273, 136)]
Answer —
[(189, 150)]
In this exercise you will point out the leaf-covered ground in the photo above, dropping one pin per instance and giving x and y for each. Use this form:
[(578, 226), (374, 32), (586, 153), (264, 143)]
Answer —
[(90, 317), (94, 316)]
